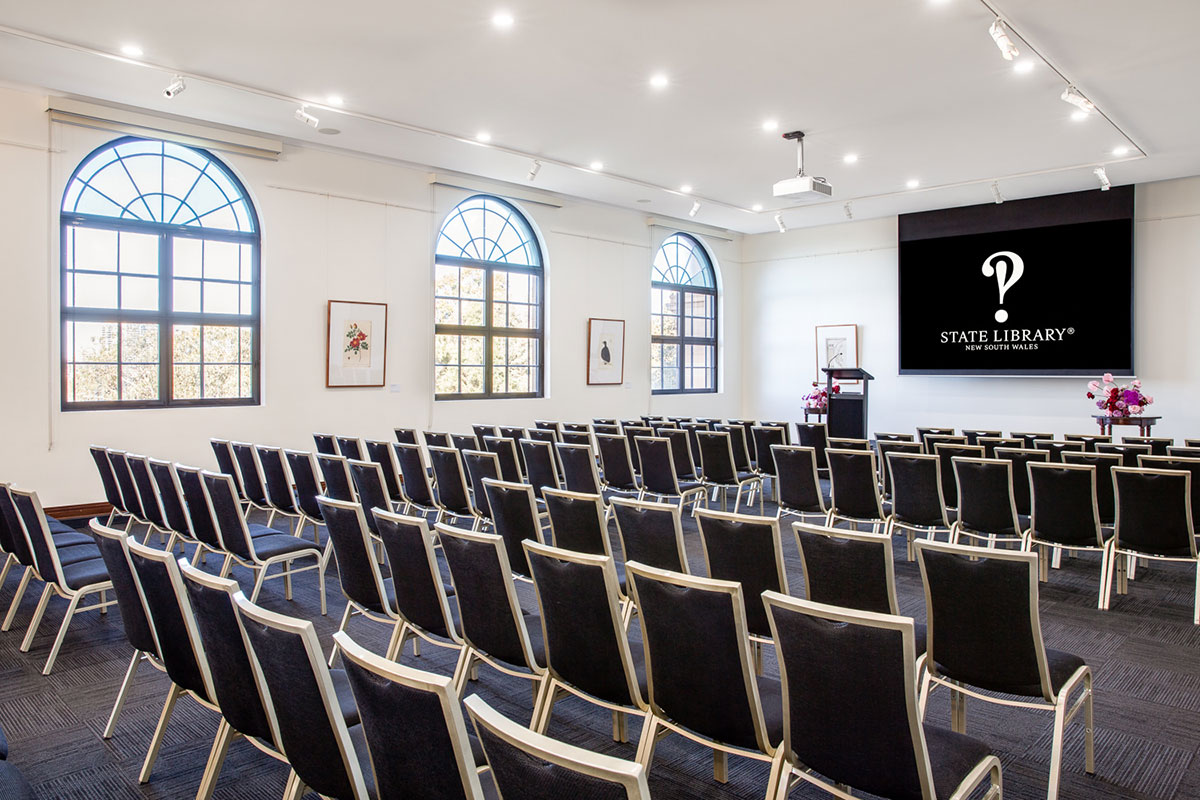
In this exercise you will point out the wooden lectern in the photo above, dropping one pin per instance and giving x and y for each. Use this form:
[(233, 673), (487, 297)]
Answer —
[(847, 412)]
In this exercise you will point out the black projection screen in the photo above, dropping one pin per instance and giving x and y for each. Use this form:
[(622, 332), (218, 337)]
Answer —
[(1042, 286)]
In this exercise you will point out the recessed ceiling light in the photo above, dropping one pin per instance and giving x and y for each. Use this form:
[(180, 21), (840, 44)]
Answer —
[(659, 80), (686, 188), (1120, 150), (597, 165), (334, 100), (643, 199), (1079, 116), (131, 50), (913, 183), (483, 136), (770, 125), (1024, 65), (756, 207), (850, 158), (329, 131), (502, 20)]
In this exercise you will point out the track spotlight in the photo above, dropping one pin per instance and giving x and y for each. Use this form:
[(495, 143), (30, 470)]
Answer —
[(307, 118), (1102, 176), (779, 222), (174, 88), (534, 169), (1001, 38), (1076, 98), (849, 211), (999, 198), (695, 209)]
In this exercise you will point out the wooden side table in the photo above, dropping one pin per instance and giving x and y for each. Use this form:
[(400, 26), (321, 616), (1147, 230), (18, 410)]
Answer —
[(814, 412), (1144, 424)]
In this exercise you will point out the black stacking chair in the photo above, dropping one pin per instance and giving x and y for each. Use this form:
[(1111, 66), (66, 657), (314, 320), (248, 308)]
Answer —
[(381, 453), (1158, 444), (1106, 503), (481, 466), (114, 549), (430, 753), (1056, 449), (659, 478), (578, 522), (719, 470), (973, 436), (738, 440), (787, 429), (747, 425), (464, 442), (129, 497), (1191, 442), (987, 510), (548, 435), (1090, 440), (797, 485), (917, 504), (765, 439), (540, 469), (575, 437), (840, 443), (200, 517), (71, 581), (139, 468), (227, 464), (415, 480), (493, 628), (253, 546), (931, 442), (990, 443), (436, 439), (617, 465), (453, 499), (510, 432), (250, 478), (514, 518), (681, 454), (510, 462), (854, 489), (1128, 452), (421, 596), (1020, 457), (1184, 452), (816, 436), (481, 431), (854, 720), (651, 533), (985, 638), (692, 429), (924, 433), (882, 448), (610, 430), (528, 764), (632, 432), (587, 650), (574, 427), (302, 468), (747, 550), (164, 601), (546, 425), (1154, 521), (367, 592), (602, 421), (894, 437), (335, 471), (406, 435), (1030, 438), (302, 705), (946, 453), (350, 447), (579, 467), (702, 685), (112, 492), (1191, 465), (278, 487), (1065, 514), (325, 443)]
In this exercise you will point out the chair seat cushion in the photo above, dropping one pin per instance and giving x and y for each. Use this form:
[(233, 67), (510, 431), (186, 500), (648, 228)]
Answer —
[(690, 486), (281, 544), (952, 756), (1061, 666), (69, 537), (257, 530), (359, 738), (77, 552), (85, 573), (57, 526)]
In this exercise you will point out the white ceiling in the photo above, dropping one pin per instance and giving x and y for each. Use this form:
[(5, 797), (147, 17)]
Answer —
[(915, 87)]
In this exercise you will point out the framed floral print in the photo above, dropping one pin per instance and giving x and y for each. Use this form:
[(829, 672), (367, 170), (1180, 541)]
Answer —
[(356, 341)]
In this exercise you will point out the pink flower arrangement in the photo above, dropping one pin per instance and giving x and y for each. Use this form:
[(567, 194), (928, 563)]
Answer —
[(818, 398), (1118, 400)]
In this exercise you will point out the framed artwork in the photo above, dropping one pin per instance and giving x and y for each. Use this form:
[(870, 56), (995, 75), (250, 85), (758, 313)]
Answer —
[(356, 340), (606, 351), (837, 346)]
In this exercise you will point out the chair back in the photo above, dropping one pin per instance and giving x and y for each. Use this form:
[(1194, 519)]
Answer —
[(1154, 511), (1191, 465), (850, 703), (203, 526), (129, 496), (1184, 452), (112, 492), (1020, 456), (795, 470), (574, 427), (147, 497), (853, 487), (275, 479), (612, 430), (946, 453), (1056, 449), (514, 518), (303, 469), (540, 469), (511, 432), (1090, 440), (37, 534), (1029, 438), (406, 435), (578, 599), (973, 436), (420, 595), (839, 443), (579, 467), (436, 439), (428, 755), (577, 522), (765, 439), (248, 472), (12, 532), (349, 447), (917, 489), (1128, 452), (464, 441), (893, 437), (845, 568), (925, 433), (452, 495), (716, 457), (335, 471), (1064, 507), (748, 550), (545, 425), (505, 450), (985, 495), (703, 680), (358, 571), (787, 429), (816, 436), (982, 618), (301, 702), (381, 453), (737, 441), (415, 480), (882, 448), (482, 431), (1158, 444), (170, 494), (487, 601), (114, 549), (990, 443), (481, 465), (227, 463), (539, 434), (632, 432), (616, 462), (1106, 496), (651, 533), (681, 453), (747, 425), (325, 444), (658, 465), (583, 438), (226, 511), (932, 441)]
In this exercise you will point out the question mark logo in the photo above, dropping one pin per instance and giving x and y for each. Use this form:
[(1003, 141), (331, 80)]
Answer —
[(1000, 264)]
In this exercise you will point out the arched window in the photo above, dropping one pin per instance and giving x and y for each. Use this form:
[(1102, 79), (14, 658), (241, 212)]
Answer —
[(160, 280), (683, 318), (487, 303)]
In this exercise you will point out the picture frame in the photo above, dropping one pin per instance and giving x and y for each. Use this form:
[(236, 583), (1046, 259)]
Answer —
[(837, 346), (355, 344), (606, 352)]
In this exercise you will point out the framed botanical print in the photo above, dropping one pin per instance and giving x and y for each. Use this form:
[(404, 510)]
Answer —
[(837, 346), (606, 351), (356, 341)]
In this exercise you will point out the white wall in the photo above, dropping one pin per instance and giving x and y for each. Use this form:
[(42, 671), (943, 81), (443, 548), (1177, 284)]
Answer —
[(335, 226), (847, 273)]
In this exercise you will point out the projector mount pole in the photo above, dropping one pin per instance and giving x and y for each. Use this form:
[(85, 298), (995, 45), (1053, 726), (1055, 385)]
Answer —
[(799, 137)]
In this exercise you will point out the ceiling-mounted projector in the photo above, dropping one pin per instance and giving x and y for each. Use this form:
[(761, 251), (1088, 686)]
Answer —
[(802, 187)]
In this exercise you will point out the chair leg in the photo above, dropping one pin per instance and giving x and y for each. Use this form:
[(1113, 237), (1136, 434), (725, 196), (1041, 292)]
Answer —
[(649, 737), (321, 587), (159, 731), (543, 706), (1056, 747), (258, 582), (620, 727), (720, 766), (216, 759), (38, 613), (16, 601), (341, 627), (294, 789), (461, 670), (396, 643), (1089, 729), (8, 562), (62, 632), (1106, 568), (780, 776), (134, 663)]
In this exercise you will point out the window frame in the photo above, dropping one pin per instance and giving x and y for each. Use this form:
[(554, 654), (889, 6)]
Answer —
[(488, 331), (165, 317), (681, 340)]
